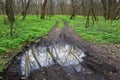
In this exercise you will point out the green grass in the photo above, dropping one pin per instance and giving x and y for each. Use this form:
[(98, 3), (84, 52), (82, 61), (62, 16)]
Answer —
[(59, 19), (102, 32), (26, 31)]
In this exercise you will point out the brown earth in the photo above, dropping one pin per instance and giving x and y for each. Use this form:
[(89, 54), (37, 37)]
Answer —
[(98, 64)]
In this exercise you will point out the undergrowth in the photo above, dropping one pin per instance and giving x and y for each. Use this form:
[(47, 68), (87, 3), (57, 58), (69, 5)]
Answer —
[(25, 31), (101, 32), (31, 29)]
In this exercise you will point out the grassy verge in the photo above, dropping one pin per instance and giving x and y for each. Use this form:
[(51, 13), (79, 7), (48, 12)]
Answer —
[(104, 33), (25, 31), (59, 19), (101, 32)]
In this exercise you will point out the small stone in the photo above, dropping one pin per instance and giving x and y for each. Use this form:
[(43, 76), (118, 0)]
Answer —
[(43, 72), (22, 78)]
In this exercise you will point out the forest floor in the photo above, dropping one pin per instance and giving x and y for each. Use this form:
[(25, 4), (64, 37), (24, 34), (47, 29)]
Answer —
[(98, 65), (103, 33)]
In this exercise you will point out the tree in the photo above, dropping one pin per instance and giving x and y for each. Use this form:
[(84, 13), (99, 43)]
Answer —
[(2, 7), (61, 4), (91, 12), (36, 6), (43, 9), (73, 9), (25, 8), (2, 3), (51, 7), (75, 4), (111, 9), (10, 14)]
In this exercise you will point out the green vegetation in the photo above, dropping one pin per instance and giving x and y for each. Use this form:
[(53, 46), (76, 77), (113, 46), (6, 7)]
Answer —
[(101, 32), (25, 31), (59, 19), (104, 32), (31, 29)]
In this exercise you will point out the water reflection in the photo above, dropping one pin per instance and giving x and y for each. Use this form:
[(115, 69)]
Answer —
[(62, 54)]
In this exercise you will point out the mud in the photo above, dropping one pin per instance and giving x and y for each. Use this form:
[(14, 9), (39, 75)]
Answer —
[(56, 72), (97, 64)]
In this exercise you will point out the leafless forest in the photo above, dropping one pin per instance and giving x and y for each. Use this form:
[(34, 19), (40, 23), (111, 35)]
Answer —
[(110, 9), (30, 46)]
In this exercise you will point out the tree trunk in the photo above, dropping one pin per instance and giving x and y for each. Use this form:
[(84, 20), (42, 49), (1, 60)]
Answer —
[(104, 3), (43, 9), (62, 6), (24, 13), (9, 10), (73, 9), (87, 19), (51, 7), (10, 14), (2, 7), (116, 11), (94, 18), (110, 9)]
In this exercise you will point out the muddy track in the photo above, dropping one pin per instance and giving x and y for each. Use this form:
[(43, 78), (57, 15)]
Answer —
[(97, 65), (96, 60)]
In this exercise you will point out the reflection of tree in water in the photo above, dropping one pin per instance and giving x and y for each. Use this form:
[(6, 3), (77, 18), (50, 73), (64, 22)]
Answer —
[(64, 55)]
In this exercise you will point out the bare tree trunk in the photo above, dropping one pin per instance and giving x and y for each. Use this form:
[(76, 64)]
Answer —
[(73, 9), (104, 3), (24, 12), (43, 9), (110, 8), (61, 4), (36, 7), (87, 19), (51, 7), (116, 11), (10, 14), (92, 11), (2, 7), (3, 10)]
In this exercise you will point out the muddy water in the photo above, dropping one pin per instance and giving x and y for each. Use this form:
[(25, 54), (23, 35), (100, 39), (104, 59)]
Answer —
[(62, 54), (57, 58)]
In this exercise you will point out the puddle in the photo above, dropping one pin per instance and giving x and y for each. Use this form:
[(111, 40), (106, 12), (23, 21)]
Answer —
[(61, 60), (62, 54)]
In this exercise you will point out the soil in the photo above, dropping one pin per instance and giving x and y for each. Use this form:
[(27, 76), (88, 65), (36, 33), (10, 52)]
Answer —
[(56, 72), (97, 64), (113, 50)]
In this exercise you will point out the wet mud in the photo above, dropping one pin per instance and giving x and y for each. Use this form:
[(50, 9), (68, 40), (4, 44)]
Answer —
[(94, 65)]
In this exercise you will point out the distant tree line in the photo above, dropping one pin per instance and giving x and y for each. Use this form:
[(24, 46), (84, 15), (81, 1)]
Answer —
[(109, 9)]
